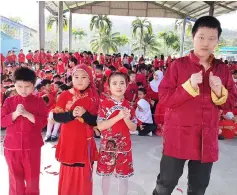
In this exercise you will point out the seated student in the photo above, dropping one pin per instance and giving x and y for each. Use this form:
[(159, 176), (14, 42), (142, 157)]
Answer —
[(228, 126), (140, 85), (141, 75), (132, 89), (56, 86), (47, 89), (52, 126), (99, 78), (152, 90), (145, 122), (9, 93), (56, 78), (141, 94)]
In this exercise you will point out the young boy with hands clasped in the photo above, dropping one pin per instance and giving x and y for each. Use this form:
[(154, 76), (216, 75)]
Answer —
[(24, 116)]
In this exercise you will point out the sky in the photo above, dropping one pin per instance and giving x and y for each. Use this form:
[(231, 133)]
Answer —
[(28, 12)]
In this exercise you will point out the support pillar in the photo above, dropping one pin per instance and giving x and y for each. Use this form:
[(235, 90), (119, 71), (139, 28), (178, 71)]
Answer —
[(211, 9), (60, 26), (41, 25), (182, 38), (70, 32)]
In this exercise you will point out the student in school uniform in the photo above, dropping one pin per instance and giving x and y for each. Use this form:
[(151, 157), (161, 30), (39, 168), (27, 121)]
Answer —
[(194, 88), (24, 116), (76, 109)]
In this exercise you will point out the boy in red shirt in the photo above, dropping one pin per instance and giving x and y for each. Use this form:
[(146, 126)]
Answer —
[(141, 75), (24, 116), (29, 57), (132, 89), (47, 89), (21, 57)]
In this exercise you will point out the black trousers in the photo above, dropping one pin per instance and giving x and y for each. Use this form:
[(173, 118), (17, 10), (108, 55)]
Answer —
[(171, 169), (147, 128)]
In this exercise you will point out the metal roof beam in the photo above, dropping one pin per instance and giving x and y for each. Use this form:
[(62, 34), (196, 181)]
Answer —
[(198, 9), (224, 6), (168, 8), (84, 5), (164, 3), (67, 5), (186, 6), (54, 4), (175, 4)]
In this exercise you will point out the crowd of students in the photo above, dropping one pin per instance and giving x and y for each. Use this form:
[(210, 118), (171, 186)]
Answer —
[(85, 95)]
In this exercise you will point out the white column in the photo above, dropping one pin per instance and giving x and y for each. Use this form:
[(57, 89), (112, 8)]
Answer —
[(182, 38), (60, 26), (41, 25), (70, 32)]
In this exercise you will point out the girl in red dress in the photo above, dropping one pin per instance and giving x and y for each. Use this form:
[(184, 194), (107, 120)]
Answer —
[(76, 150), (115, 118)]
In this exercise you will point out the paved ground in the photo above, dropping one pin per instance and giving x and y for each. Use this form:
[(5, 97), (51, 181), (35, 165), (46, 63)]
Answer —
[(146, 154)]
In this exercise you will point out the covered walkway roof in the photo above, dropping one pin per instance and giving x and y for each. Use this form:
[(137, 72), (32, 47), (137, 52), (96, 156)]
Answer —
[(164, 9)]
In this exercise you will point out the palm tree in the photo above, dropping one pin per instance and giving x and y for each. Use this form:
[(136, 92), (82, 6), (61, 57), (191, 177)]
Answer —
[(100, 23), (78, 33), (107, 41), (51, 20), (170, 40), (149, 45), (179, 25), (140, 28)]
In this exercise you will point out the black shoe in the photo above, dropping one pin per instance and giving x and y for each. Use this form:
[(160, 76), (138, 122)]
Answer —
[(47, 139), (54, 139), (221, 137)]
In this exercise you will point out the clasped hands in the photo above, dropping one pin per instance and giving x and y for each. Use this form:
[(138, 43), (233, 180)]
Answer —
[(214, 82), (124, 114), (78, 111)]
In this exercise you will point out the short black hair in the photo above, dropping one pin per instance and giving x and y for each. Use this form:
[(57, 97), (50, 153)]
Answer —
[(143, 90), (63, 87), (209, 22), (234, 72), (142, 67), (131, 72), (96, 62), (74, 60), (46, 99), (56, 76), (24, 74), (58, 83), (39, 86), (139, 84), (45, 82), (99, 67), (112, 68)]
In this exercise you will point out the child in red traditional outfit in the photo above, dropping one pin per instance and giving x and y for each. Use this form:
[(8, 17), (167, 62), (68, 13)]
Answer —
[(115, 118), (131, 92), (77, 110), (228, 126), (24, 116)]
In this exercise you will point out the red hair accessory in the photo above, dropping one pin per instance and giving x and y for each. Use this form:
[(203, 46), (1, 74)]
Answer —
[(123, 70), (108, 73)]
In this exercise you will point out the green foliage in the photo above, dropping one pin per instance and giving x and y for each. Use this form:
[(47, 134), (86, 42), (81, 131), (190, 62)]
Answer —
[(16, 19), (51, 20), (78, 33), (101, 23), (171, 42), (107, 41), (142, 31)]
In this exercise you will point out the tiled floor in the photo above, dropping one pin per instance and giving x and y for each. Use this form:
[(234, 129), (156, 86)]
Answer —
[(146, 155)]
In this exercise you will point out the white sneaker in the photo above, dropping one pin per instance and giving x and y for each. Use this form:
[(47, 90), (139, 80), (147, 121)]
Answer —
[(133, 132), (150, 134)]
